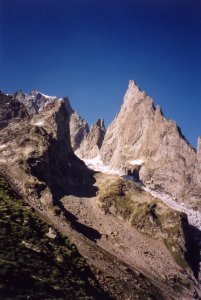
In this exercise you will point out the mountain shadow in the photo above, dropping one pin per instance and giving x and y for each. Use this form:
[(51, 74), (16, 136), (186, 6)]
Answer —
[(193, 246), (87, 231), (69, 176)]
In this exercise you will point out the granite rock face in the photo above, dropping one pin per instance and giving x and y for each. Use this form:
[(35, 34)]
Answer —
[(141, 137), (92, 142)]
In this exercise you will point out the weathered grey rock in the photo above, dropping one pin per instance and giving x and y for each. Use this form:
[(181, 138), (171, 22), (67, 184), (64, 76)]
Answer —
[(140, 135), (92, 142)]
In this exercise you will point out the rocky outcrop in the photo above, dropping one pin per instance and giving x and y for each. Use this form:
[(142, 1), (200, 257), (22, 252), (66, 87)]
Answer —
[(36, 155), (92, 142), (141, 136)]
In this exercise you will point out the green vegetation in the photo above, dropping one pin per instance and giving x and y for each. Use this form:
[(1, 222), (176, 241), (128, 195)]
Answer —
[(117, 195), (35, 264)]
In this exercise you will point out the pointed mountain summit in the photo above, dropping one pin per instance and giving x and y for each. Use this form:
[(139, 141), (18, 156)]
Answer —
[(133, 93), (141, 136)]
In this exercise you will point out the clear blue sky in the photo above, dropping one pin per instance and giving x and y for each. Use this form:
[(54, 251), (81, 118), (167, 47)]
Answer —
[(89, 49)]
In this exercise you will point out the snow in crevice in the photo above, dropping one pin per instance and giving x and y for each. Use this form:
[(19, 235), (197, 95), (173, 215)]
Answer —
[(194, 216)]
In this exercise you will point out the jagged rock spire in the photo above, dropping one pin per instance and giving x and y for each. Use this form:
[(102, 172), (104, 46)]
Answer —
[(140, 132), (133, 93)]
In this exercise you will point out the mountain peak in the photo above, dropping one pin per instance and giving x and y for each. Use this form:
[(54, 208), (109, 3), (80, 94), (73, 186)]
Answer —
[(133, 93), (34, 92), (132, 84)]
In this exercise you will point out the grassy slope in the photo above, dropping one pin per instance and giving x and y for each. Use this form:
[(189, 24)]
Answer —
[(33, 265)]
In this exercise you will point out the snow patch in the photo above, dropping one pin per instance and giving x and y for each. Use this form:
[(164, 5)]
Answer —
[(96, 164), (135, 162)]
